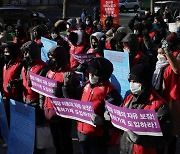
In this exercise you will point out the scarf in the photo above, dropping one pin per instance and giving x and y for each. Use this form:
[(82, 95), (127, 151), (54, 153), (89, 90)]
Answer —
[(156, 79)]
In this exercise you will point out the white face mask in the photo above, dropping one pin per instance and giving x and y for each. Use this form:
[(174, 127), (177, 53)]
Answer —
[(126, 50), (54, 36), (135, 87), (161, 58), (166, 20), (93, 79), (136, 32), (87, 22), (146, 12), (67, 26)]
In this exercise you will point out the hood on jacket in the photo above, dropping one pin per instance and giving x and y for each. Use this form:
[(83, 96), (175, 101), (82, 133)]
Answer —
[(32, 48), (101, 67), (97, 35)]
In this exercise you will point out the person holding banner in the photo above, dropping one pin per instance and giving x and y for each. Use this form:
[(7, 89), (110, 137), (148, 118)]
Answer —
[(77, 46), (60, 127), (33, 63), (94, 139), (143, 96)]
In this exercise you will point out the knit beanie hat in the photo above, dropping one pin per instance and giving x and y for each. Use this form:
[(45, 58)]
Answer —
[(141, 73), (101, 67), (60, 54)]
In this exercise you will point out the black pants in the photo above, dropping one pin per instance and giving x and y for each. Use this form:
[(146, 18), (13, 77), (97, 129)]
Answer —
[(92, 144), (61, 134), (7, 109)]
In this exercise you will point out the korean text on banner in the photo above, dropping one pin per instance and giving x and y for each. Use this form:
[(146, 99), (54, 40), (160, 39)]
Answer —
[(83, 58), (142, 122), (110, 8), (42, 85), (47, 45), (119, 77), (73, 109), (22, 128)]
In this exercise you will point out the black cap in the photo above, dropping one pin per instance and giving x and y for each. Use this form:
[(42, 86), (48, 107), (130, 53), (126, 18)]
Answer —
[(101, 67), (141, 73), (60, 54), (32, 48)]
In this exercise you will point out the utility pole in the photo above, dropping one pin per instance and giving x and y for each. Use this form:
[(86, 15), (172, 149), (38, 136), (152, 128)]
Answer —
[(152, 6), (64, 15)]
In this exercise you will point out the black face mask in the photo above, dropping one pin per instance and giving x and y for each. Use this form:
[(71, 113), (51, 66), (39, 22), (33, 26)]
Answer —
[(108, 24), (94, 45), (27, 61), (52, 64), (7, 58)]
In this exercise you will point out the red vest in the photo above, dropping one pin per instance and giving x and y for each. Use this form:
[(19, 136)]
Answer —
[(36, 68), (24, 40), (75, 50), (172, 83), (97, 96), (89, 30), (10, 74), (38, 41), (58, 76), (154, 102), (152, 34), (140, 39), (137, 58)]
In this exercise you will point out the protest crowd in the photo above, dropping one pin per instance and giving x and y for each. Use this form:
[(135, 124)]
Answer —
[(82, 73)]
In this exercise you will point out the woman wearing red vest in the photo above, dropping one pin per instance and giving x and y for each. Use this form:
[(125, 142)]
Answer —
[(33, 63), (11, 72), (143, 96), (20, 36), (166, 81), (77, 46), (97, 89), (131, 45), (60, 127)]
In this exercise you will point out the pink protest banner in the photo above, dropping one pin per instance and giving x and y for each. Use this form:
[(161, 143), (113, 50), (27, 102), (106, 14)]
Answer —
[(83, 58), (42, 85), (142, 122), (73, 109), (110, 8)]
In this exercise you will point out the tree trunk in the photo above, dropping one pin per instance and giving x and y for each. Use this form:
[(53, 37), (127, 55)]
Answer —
[(64, 15), (152, 6)]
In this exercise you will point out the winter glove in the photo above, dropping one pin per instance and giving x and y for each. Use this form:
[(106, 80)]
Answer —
[(107, 116), (9, 87), (29, 83), (97, 120), (11, 84), (165, 46), (56, 92), (132, 137), (81, 67)]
